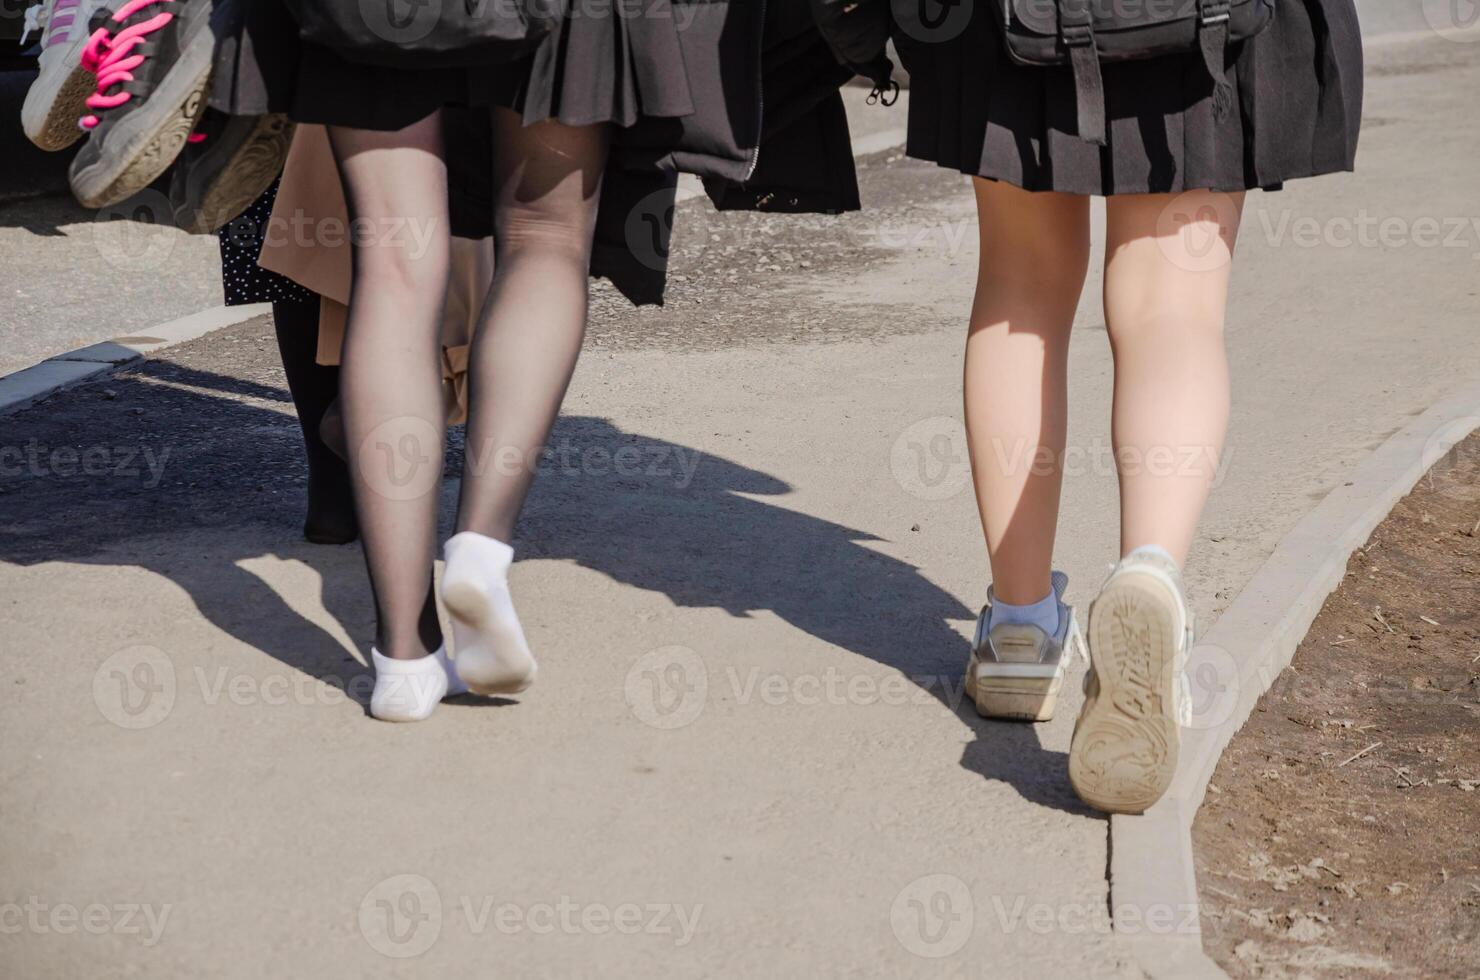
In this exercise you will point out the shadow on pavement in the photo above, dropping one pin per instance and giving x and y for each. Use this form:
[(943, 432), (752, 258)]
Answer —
[(194, 473)]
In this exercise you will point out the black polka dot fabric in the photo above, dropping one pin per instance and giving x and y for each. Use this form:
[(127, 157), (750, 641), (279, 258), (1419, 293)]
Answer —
[(242, 279)]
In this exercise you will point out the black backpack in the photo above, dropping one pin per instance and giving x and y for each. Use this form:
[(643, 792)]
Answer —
[(428, 33), (1084, 33)]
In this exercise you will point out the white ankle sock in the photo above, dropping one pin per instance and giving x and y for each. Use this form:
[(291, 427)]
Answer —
[(1043, 614), (1155, 550), (493, 656), (408, 690)]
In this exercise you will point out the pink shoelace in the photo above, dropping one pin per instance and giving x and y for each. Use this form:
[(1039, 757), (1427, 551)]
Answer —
[(110, 57)]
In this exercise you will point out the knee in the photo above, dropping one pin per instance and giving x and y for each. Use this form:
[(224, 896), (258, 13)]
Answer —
[(563, 236), (409, 269)]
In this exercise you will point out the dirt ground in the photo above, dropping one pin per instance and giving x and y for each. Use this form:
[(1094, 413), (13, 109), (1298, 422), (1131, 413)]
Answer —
[(1341, 833)]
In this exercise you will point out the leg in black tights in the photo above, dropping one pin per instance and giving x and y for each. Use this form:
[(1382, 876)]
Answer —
[(390, 379), (331, 512), (548, 184)]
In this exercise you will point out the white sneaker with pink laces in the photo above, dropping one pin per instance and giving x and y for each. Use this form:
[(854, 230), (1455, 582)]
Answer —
[(59, 95)]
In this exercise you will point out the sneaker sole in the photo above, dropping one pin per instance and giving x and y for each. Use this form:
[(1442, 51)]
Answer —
[(1014, 698), (256, 163), (1125, 745), (484, 675), (150, 143), (56, 128)]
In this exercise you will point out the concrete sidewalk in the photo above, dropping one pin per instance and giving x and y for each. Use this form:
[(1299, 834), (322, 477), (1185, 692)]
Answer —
[(748, 574)]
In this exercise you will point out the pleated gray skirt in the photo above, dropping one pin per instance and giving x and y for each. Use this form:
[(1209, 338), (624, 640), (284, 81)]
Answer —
[(1297, 111)]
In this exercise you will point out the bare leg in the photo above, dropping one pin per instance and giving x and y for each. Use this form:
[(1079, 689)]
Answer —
[(1166, 288), (1034, 254), (390, 378)]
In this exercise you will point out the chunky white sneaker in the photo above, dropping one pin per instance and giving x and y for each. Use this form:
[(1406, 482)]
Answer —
[(1017, 671), (1124, 750), (59, 95)]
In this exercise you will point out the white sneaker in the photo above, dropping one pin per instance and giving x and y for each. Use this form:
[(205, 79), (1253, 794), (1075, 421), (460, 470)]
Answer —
[(58, 97), (1017, 671), (1124, 750)]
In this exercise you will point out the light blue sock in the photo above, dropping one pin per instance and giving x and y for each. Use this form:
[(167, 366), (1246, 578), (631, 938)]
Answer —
[(1043, 614)]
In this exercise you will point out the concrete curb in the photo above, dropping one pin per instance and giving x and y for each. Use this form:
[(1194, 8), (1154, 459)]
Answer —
[(29, 385), (1152, 872)]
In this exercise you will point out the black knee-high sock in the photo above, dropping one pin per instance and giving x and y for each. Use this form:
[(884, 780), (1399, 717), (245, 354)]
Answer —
[(314, 386)]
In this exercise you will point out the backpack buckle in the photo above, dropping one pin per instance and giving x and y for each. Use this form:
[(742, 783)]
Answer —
[(1212, 12), (1077, 35)]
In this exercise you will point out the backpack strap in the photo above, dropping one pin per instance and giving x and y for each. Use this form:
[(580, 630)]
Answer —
[(1212, 37), (1076, 30)]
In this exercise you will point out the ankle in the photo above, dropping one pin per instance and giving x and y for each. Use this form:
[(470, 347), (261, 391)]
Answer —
[(1043, 613)]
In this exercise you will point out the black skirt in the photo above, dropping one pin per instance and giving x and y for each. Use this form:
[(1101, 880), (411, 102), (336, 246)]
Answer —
[(612, 61), (1297, 110)]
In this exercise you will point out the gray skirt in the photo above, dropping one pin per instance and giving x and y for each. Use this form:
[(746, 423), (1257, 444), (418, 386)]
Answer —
[(1297, 110)]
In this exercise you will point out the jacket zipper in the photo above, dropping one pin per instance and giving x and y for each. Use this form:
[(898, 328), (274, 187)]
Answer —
[(760, 94)]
